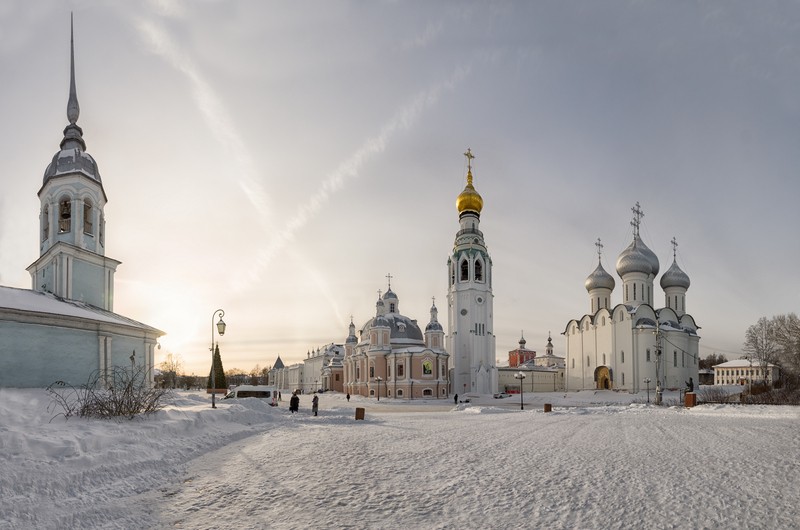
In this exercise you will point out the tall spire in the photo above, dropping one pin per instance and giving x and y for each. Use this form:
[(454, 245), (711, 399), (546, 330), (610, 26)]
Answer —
[(73, 134), (73, 109)]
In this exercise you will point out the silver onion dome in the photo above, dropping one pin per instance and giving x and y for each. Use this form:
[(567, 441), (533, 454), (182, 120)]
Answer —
[(675, 277), (599, 279), (632, 259)]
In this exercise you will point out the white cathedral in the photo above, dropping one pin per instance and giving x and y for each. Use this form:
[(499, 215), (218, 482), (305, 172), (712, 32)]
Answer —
[(632, 345), (64, 328), (470, 315)]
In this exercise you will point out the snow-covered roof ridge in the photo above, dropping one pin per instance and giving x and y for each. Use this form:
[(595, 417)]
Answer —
[(28, 301)]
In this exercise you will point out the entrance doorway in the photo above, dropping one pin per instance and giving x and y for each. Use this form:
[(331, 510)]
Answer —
[(603, 377)]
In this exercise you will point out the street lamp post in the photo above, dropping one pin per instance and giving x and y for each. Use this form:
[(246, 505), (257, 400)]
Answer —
[(647, 382), (379, 379), (520, 376), (221, 331)]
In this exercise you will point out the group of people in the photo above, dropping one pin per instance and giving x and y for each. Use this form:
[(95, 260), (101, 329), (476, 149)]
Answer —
[(294, 403)]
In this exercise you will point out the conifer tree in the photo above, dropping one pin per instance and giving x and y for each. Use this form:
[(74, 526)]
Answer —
[(219, 373)]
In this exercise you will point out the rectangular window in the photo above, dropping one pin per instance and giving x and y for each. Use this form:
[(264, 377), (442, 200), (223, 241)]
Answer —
[(648, 356), (399, 370)]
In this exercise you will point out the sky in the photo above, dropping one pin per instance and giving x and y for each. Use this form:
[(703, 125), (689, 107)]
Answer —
[(599, 460), (278, 159)]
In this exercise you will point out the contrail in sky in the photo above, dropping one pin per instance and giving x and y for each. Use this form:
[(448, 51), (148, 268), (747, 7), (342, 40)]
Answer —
[(213, 112), (402, 120), (218, 121)]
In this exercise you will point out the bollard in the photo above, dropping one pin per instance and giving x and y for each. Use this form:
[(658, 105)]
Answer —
[(690, 400), (548, 407), (359, 413)]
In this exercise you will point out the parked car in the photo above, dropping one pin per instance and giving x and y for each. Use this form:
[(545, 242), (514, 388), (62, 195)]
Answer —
[(502, 395)]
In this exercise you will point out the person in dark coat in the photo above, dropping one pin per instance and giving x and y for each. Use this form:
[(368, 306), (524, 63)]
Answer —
[(294, 403), (455, 399), (315, 404), (348, 397)]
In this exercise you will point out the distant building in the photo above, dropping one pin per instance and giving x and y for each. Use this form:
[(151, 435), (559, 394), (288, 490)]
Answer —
[(537, 378), (542, 373), (549, 359), (64, 329), (520, 355), (744, 371), (391, 357), (618, 347)]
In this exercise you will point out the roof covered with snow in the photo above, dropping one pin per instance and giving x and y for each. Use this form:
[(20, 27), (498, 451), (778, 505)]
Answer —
[(28, 301)]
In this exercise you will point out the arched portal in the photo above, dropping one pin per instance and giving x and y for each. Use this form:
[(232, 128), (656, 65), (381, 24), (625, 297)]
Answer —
[(602, 376)]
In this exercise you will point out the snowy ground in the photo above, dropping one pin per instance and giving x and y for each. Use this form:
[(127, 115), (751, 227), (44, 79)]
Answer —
[(599, 460)]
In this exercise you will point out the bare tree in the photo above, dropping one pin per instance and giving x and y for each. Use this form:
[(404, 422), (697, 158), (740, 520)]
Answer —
[(712, 360), (255, 373), (760, 343), (170, 369), (787, 336)]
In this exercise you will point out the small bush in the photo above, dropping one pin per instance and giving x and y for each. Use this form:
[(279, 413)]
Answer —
[(123, 393)]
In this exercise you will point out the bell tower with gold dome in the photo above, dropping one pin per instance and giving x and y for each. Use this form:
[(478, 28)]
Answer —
[(470, 313)]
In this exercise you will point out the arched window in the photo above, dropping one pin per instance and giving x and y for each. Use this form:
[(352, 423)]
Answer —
[(87, 217), (675, 359), (64, 216), (604, 358), (478, 271), (634, 291), (427, 392), (464, 270), (573, 363), (399, 392), (588, 362), (452, 274), (622, 353), (46, 222)]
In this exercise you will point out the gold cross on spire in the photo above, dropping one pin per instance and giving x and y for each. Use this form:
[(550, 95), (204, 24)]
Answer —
[(674, 243), (469, 156), (389, 278)]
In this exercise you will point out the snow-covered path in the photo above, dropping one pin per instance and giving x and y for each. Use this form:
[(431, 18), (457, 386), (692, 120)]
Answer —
[(423, 465), (612, 467)]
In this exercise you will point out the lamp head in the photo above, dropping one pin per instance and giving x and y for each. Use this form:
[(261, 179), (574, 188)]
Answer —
[(221, 327)]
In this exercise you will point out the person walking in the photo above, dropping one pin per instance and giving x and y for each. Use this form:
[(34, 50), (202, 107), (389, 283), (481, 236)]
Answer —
[(348, 397), (455, 399), (315, 404), (294, 403)]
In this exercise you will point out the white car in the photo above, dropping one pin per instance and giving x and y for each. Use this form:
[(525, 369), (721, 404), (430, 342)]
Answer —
[(502, 395)]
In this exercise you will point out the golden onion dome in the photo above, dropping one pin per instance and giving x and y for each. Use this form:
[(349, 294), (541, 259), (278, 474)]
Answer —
[(469, 200)]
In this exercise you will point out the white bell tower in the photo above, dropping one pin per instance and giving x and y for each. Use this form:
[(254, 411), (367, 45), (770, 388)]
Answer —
[(470, 313), (72, 262)]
